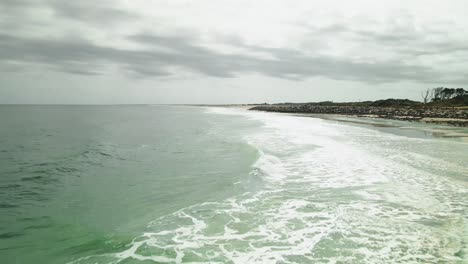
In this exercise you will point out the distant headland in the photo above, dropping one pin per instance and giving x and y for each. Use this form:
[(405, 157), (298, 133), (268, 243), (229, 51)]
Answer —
[(439, 105)]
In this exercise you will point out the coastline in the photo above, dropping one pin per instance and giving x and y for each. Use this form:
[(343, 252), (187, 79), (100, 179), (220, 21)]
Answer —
[(437, 128), (436, 115)]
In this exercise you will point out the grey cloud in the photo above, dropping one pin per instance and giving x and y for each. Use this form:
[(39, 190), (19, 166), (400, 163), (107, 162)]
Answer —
[(16, 3), (80, 57), (163, 53), (404, 39), (343, 69), (102, 12), (14, 14), (69, 56), (396, 36), (405, 44)]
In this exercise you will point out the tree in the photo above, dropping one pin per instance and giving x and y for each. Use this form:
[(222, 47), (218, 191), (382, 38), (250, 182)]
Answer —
[(426, 95), (447, 93), (441, 93), (437, 93), (460, 92)]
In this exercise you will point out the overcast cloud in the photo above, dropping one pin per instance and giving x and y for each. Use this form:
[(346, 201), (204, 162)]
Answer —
[(253, 51)]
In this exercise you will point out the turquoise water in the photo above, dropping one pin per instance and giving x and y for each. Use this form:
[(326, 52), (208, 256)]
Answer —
[(167, 184)]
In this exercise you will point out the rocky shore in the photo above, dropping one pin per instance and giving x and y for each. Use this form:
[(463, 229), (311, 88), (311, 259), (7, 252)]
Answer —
[(442, 115)]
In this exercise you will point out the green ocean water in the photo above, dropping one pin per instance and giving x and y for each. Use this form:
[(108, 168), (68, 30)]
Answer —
[(179, 184), (81, 180)]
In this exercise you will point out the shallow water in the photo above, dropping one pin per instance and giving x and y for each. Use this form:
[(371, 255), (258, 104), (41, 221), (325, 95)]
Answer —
[(159, 184)]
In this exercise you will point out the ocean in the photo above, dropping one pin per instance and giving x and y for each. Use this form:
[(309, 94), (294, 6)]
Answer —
[(185, 184)]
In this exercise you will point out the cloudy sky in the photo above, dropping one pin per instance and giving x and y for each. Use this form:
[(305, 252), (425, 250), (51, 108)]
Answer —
[(220, 51)]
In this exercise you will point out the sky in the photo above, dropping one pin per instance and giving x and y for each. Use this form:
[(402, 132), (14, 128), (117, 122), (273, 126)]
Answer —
[(220, 51)]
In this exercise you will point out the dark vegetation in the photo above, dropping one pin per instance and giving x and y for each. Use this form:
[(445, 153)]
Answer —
[(434, 97), (442, 96), (379, 103)]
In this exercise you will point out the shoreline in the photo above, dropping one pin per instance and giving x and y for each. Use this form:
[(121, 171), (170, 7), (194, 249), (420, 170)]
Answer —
[(446, 116)]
